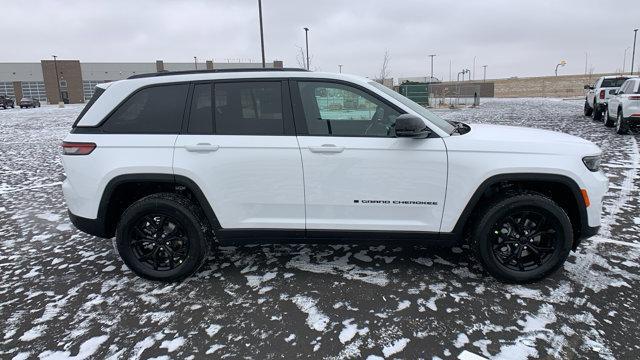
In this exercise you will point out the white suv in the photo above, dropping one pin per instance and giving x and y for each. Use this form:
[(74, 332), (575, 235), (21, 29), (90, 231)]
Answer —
[(167, 162), (624, 107)]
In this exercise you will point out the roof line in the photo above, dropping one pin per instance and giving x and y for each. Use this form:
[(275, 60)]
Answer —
[(189, 72)]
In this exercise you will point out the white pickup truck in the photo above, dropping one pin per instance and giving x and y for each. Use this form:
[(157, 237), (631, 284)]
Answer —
[(596, 99)]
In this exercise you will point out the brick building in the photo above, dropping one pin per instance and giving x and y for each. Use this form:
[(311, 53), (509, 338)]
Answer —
[(76, 80)]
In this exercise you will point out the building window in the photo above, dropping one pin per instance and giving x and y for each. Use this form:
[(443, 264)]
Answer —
[(63, 83), (6, 89), (88, 87), (34, 90)]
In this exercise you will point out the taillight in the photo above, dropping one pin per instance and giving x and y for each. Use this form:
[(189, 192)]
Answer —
[(601, 94), (634, 97), (77, 148)]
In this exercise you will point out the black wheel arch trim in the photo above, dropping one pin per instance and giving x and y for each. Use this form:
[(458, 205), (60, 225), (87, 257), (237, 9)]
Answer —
[(584, 229)]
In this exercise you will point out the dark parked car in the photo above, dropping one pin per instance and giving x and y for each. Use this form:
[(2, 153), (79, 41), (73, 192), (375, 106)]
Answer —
[(5, 102), (29, 103)]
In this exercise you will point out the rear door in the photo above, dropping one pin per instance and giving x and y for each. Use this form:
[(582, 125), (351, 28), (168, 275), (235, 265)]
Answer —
[(239, 146), (357, 174)]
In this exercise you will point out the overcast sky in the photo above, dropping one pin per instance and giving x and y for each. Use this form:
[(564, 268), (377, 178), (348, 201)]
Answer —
[(514, 38)]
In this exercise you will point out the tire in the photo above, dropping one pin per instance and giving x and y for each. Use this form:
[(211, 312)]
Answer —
[(622, 125), (163, 237), (491, 229), (588, 110), (607, 119), (597, 113)]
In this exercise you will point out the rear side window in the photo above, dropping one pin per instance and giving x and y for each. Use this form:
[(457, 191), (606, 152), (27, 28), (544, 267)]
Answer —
[(153, 110), (248, 108), (615, 82), (96, 94), (201, 114)]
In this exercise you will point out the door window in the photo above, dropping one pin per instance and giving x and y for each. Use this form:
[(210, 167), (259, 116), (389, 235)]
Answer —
[(248, 108), (332, 109)]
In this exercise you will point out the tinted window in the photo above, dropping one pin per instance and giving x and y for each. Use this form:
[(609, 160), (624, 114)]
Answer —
[(201, 115), (336, 109), (156, 110), (615, 82), (248, 108)]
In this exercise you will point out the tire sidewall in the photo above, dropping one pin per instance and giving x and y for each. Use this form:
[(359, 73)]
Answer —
[(510, 205), (190, 223)]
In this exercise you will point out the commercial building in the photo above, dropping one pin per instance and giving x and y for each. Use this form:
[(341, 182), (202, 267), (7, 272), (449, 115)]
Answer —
[(74, 81)]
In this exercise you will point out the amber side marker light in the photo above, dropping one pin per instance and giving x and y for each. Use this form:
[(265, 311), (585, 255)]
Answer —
[(585, 197), (77, 148)]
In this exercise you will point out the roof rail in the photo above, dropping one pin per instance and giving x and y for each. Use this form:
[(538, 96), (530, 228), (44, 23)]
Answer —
[(189, 72)]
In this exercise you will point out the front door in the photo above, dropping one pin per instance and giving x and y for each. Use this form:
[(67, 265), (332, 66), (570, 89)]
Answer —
[(241, 149), (357, 174)]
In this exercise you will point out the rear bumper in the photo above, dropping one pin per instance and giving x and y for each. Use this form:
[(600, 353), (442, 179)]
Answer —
[(93, 227)]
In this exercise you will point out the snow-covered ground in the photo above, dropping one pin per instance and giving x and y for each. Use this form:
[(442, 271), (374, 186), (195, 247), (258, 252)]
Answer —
[(65, 294)]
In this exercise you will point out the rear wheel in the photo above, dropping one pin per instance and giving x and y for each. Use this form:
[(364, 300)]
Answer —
[(608, 122), (163, 237), (522, 237), (588, 110), (597, 113), (622, 127)]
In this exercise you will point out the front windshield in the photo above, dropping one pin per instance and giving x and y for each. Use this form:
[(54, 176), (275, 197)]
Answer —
[(433, 118)]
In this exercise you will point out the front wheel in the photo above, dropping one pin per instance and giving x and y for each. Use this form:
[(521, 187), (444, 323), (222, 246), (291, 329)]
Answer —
[(522, 238), (608, 122), (622, 127), (163, 237)]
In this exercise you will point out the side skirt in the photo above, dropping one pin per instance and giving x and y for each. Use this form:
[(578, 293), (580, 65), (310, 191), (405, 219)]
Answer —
[(342, 237)]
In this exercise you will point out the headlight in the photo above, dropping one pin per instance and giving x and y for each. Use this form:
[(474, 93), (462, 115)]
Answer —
[(592, 162)]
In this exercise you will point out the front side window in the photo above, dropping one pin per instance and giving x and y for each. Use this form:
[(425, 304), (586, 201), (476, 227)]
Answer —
[(340, 110), (248, 108), (153, 110)]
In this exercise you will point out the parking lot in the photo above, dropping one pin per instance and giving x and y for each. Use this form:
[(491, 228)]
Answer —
[(64, 293)]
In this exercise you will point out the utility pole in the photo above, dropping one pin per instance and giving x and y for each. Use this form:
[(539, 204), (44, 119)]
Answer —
[(474, 69), (195, 62), (55, 65), (431, 56), (633, 54), (306, 37), (261, 33), (484, 76), (340, 68)]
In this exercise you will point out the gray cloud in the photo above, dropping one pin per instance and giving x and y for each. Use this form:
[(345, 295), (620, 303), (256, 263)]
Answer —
[(515, 38)]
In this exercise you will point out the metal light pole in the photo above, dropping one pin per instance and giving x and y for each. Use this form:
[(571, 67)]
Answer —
[(306, 37), (586, 60), (633, 53), (340, 68), (474, 69), (261, 33), (195, 62), (624, 58), (55, 65), (431, 56), (484, 75)]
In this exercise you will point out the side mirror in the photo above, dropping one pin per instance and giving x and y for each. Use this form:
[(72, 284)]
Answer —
[(411, 126)]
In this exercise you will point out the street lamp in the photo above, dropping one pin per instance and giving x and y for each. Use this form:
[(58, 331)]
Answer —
[(306, 37), (195, 62), (55, 65), (633, 53), (261, 33), (561, 63), (340, 68), (431, 56)]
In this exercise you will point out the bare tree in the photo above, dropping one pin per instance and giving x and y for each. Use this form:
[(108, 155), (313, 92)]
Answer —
[(385, 70), (301, 58)]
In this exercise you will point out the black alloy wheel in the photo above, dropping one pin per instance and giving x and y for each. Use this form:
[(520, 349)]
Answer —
[(159, 241)]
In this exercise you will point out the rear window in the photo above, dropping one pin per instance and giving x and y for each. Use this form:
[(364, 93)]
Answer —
[(153, 110), (96, 94), (615, 82)]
